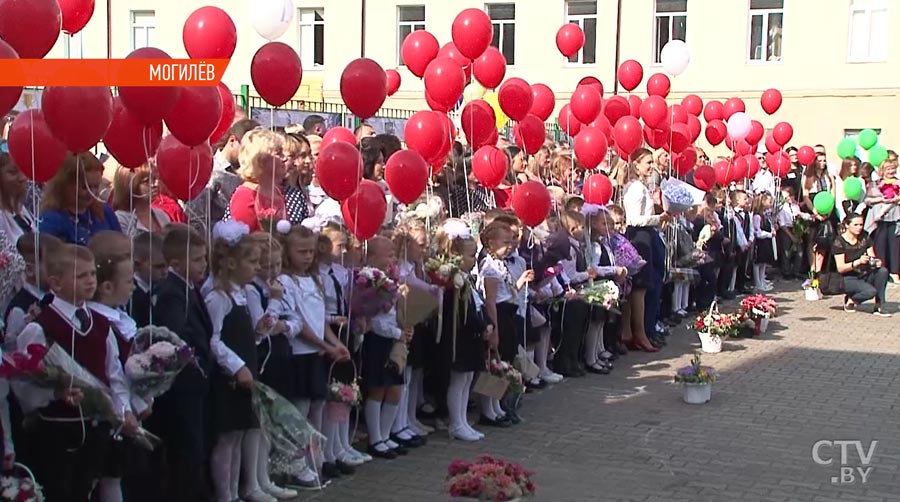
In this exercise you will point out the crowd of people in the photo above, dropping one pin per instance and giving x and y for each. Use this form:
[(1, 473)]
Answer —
[(108, 250)]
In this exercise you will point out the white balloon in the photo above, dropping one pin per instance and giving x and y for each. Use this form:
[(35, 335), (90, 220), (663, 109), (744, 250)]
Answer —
[(271, 18), (675, 57), (738, 126)]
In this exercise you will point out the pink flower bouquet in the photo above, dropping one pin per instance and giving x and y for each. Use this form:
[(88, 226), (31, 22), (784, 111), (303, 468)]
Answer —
[(489, 479), (373, 292)]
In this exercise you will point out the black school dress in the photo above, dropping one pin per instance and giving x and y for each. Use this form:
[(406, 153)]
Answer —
[(765, 253), (470, 325), (233, 406), (274, 357)]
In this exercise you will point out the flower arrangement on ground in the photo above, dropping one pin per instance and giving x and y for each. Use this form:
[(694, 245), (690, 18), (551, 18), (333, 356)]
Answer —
[(489, 479), (811, 288), (373, 292), (718, 324), (506, 371), (759, 306), (157, 357), (695, 373), (19, 485)]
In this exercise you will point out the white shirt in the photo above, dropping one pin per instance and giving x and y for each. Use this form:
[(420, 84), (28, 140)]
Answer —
[(786, 214), (12, 229), (311, 307), (493, 268), (638, 206), (15, 321), (132, 225), (219, 304), (279, 310), (516, 269), (342, 274), (384, 324), (758, 232), (605, 271), (764, 181), (127, 329), (33, 398)]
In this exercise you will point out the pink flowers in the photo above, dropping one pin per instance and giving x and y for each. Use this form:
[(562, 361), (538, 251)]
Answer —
[(346, 393), (489, 479), (758, 307)]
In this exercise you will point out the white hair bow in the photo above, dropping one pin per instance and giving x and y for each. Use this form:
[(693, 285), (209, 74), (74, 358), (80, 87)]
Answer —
[(590, 209), (314, 223), (230, 231), (457, 230)]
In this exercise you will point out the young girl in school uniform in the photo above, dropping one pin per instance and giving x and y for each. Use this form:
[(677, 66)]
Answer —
[(764, 231), (235, 263)]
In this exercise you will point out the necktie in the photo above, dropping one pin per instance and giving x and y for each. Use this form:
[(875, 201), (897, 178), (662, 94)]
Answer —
[(83, 319), (337, 291)]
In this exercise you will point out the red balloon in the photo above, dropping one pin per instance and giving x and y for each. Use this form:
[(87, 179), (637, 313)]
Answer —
[(591, 147), (740, 147), (741, 168), (653, 111), (756, 132), (656, 138), (339, 168), (33, 146), (783, 132), (676, 114), (449, 50), (418, 49), (543, 101), (685, 161), (149, 104), (634, 104), (680, 138), (723, 172), (184, 170), (276, 73), (75, 14), (129, 140), (364, 87), (529, 134), (31, 27), (9, 96), (569, 39), (195, 115), (567, 121), (597, 189), (705, 177), (434, 105), (338, 135), (695, 127), (472, 32), (602, 123), (753, 165), (495, 138), (490, 68), (531, 202), (714, 110), (489, 166), (771, 101), (393, 81), (659, 85), (425, 133), (772, 146), (209, 33), (406, 174), (806, 155), (630, 74), (780, 164), (615, 108), (732, 106), (593, 82), (444, 81), (692, 104), (78, 116), (628, 134), (364, 210), (585, 103), (716, 131), (227, 117), (478, 122), (516, 98)]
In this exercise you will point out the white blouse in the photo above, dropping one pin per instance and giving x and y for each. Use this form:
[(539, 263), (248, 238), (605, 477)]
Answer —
[(342, 274), (493, 268), (638, 205), (219, 304), (311, 306)]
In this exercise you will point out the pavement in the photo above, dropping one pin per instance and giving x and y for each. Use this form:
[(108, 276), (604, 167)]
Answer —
[(818, 377)]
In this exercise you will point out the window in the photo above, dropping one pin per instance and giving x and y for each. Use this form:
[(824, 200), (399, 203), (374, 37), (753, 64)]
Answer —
[(503, 19), (73, 46), (312, 35), (584, 14), (409, 19), (143, 29), (868, 31), (766, 22), (671, 24)]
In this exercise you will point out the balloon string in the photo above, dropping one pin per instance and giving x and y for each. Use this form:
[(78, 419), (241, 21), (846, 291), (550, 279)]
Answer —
[(34, 204), (145, 140)]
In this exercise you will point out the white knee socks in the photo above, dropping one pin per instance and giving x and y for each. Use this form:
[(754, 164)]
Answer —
[(542, 349), (759, 275), (487, 408), (316, 414), (414, 397), (456, 399), (592, 342), (401, 421), (388, 415), (110, 489), (262, 462), (225, 471), (681, 293), (330, 433), (250, 446), (373, 423)]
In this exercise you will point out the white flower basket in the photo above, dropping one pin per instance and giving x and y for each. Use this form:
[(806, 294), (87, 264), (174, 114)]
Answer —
[(763, 325), (697, 393), (710, 343), (812, 294)]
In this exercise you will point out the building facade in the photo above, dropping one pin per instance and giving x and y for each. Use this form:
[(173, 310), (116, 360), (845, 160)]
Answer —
[(834, 60)]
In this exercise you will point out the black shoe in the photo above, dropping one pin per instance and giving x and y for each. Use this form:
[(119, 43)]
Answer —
[(330, 470), (531, 386), (621, 349), (400, 450), (346, 469), (386, 454), (514, 418), (500, 422), (597, 370), (413, 442)]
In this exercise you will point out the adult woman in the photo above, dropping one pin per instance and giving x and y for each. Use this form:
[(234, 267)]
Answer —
[(538, 168), (821, 228), (263, 171), (643, 232), (864, 275), (74, 216), (883, 219), (849, 168), (517, 163), (298, 162), (132, 195), (15, 217)]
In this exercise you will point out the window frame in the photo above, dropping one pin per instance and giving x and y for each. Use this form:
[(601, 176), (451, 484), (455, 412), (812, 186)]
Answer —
[(765, 13), (301, 24), (134, 14), (869, 7), (413, 25), (502, 23), (579, 20), (656, 59)]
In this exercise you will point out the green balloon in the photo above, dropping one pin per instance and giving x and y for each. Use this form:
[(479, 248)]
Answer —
[(853, 188), (847, 148), (877, 155), (824, 203), (868, 138)]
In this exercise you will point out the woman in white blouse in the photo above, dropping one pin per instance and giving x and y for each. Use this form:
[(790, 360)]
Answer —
[(643, 232), (15, 217), (133, 190)]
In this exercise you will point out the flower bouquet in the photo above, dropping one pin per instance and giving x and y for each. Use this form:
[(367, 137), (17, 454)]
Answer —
[(759, 309), (811, 289), (19, 485), (626, 255), (713, 326), (602, 293), (678, 196), (341, 397), (445, 272), (697, 381), (374, 292), (157, 356), (289, 432), (506, 371), (489, 479)]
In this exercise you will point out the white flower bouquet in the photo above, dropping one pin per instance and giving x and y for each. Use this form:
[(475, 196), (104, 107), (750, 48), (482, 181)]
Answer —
[(602, 293), (157, 356), (445, 272), (19, 485)]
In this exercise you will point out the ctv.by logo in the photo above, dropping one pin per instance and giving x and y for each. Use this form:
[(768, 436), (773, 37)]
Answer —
[(850, 469)]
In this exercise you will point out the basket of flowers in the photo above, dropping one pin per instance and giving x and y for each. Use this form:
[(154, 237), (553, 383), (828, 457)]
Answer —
[(696, 381), (19, 485), (342, 396), (489, 479), (713, 326), (759, 309)]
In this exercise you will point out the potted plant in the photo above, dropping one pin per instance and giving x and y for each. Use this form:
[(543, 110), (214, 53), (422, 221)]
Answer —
[(489, 479), (759, 309), (713, 326), (696, 381), (811, 289)]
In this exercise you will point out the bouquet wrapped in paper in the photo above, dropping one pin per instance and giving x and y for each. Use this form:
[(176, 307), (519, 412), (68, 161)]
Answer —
[(157, 356), (506, 371), (678, 196), (374, 292), (626, 255), (290, 434), (602, 293)]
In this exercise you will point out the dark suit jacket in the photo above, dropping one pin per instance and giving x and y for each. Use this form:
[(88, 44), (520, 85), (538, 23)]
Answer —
[(187, 317)]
